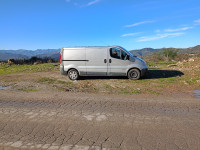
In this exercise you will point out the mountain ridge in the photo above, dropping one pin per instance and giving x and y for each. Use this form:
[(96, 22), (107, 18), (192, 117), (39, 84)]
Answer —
[(148, 51), (55, 53)]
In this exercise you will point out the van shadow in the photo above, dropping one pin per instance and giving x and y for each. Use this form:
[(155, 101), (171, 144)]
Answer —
[(152, 74), (157, 74)]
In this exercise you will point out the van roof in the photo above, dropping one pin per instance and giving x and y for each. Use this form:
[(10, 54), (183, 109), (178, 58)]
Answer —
[(92, 47)]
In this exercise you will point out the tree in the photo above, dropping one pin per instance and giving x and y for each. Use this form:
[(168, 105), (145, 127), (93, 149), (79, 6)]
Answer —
[(169, 53)]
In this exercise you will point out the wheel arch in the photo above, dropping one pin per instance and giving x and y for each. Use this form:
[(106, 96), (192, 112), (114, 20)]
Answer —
[(133, 68), (73, 68)]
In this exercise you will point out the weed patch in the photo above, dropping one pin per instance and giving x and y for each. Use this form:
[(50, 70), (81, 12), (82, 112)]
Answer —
[(48, 80), (153, 92), (65, 82), (131, 92), (29, 90)]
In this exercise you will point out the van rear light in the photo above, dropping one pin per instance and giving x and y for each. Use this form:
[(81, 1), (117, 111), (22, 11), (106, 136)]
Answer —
[(60, 58)]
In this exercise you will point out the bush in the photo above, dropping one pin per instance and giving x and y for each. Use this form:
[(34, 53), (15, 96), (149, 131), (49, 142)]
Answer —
[(169, 54)]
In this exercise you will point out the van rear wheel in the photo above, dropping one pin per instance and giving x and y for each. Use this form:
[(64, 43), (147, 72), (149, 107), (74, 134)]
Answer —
[(73, 74), (134, 74)]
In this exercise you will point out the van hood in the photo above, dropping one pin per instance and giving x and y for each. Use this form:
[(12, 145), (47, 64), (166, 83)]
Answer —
[(141, 59)]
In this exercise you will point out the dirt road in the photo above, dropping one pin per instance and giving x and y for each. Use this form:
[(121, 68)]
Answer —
[(62, 121)]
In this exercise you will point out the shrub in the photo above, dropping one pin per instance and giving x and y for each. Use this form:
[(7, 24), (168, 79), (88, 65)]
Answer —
[(169, 53)]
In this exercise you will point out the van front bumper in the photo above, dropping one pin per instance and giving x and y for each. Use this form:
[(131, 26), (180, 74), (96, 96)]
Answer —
[(144, 72)]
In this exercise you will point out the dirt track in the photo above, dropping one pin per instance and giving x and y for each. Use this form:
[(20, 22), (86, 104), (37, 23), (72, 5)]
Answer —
[(62, 121)]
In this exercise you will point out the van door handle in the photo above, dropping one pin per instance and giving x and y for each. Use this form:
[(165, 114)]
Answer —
[(110, 60), (105, 61)]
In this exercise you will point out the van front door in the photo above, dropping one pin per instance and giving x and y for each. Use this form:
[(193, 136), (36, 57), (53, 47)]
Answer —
[(97, 63), (118, 62)]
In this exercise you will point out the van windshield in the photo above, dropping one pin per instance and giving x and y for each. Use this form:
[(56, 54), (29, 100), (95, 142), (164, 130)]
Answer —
[(128, 52)]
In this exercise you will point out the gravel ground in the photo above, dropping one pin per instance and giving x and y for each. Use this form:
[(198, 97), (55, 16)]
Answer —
[(64, 121)]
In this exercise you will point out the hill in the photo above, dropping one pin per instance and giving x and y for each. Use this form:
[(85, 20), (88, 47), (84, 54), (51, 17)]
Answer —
[(144, 52), (148, 51), (21, 54), (191, 50), (54, 53), (5, 56)]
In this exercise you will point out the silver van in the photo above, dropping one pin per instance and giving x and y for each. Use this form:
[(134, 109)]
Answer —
[(100, 61)]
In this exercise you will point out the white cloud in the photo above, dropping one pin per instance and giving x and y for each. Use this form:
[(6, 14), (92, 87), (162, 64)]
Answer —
[(130, 34), (93, 2), (137, 24), (158, 36), (179, 29), (158, 31), (197, 21)]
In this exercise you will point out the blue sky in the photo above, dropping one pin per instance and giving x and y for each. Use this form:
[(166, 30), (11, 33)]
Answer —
[(133, 24)]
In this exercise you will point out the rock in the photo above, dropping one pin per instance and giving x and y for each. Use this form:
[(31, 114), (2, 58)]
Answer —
[(185, 83), (191, 60), (179, 63), (113, 86)]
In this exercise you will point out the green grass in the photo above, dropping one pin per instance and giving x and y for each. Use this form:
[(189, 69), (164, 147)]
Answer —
[(9, 69), (153, 92), (160, 63), (151, 63), (29, 90), (192, 81), (171, 80), (48, 80), (131, 92), (107, 86), (65, 82)]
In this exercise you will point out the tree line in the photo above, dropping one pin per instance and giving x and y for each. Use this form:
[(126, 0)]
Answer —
[(32, 60)]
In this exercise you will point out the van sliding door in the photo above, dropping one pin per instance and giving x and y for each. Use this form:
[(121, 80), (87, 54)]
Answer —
[(97, 61)]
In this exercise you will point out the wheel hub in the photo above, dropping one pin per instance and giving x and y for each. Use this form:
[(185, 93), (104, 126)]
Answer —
[(73, 75)]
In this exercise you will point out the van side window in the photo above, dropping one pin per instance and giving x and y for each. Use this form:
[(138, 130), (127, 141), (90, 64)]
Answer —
[(115, 53), (118, 53), (123, 55)]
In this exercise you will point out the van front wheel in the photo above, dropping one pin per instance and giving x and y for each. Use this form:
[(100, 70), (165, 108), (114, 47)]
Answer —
[(134, 74), (73, 74)]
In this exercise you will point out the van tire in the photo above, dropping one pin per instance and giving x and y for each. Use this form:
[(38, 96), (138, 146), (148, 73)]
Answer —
[(73, 74), (134, 74)]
